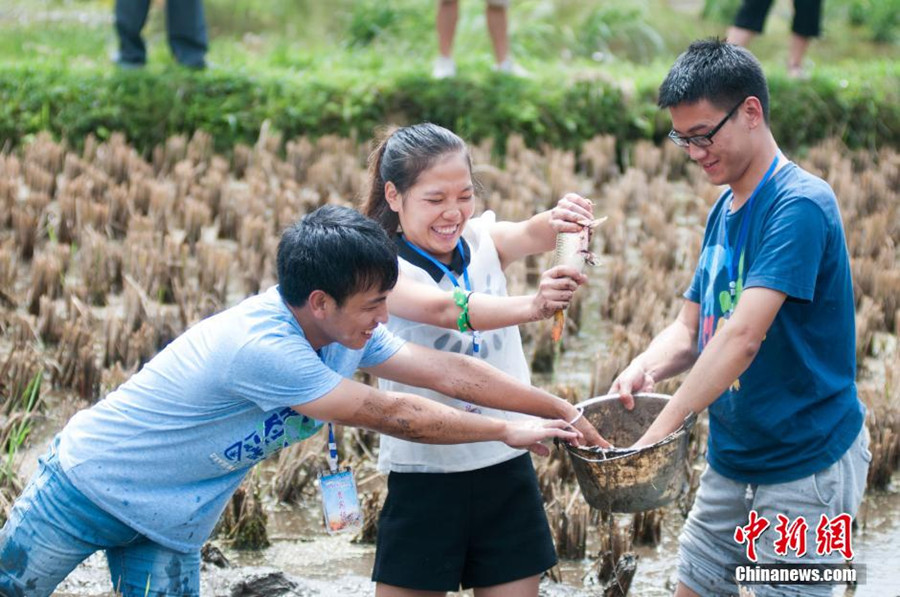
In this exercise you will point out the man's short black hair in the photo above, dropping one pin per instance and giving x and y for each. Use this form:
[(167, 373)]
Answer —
[(337, 250), (716, 71)]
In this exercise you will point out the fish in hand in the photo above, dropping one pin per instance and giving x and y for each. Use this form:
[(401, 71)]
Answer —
[(572, 249)]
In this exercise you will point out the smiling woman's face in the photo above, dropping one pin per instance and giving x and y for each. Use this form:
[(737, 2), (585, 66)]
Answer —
[(434, 211)]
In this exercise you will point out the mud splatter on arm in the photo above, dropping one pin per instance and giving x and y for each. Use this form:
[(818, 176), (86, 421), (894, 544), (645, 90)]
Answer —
[(417, 419)]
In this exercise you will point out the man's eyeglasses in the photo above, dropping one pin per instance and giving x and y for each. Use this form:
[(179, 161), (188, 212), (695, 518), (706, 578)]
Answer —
[(703, 140)]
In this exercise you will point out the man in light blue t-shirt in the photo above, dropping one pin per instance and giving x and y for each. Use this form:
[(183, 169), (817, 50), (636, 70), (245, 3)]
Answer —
[(767, 331), (145, 473)]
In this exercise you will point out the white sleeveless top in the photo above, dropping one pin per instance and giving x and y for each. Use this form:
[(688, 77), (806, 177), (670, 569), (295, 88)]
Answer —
[(501, 348)]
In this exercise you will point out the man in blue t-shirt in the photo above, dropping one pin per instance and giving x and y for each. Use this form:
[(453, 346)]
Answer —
[(767, 331), (145, 473)]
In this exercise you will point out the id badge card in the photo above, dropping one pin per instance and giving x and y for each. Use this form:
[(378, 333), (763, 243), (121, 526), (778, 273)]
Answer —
[(340, 502)]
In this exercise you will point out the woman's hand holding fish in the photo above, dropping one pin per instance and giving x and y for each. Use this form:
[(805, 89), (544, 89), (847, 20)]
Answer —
[(556, 290), (571, 213)]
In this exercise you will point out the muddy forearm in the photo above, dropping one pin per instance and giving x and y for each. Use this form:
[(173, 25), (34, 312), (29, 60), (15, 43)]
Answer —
[(418, 419), (479, 383)]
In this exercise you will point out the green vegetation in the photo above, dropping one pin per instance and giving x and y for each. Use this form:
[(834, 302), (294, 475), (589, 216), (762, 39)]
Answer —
[(17, 422), (350, 66), (149, 106)]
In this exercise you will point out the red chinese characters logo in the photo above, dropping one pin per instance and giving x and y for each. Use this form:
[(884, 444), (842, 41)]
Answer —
[(750, 533), (791, 535), (832, 535)]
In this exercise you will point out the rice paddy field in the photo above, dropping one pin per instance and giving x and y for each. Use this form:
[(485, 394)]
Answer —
[(106, 256)]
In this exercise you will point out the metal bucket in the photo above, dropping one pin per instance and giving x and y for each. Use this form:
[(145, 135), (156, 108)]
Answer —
[(634, 481)]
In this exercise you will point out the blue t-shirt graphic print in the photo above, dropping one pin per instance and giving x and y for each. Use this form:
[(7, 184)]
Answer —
[(794, 411), (279, 430)]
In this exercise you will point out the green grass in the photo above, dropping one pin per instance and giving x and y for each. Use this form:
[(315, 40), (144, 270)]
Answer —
[(346, 65), (549, 37)]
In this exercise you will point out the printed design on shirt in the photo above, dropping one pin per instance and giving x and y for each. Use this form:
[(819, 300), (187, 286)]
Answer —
[(278, 430), (715, 298), (490, 340)]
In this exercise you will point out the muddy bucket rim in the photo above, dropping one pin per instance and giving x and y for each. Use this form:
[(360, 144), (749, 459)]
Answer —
[(579, 452)]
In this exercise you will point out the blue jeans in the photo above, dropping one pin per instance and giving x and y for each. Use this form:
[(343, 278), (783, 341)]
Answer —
[(53, 527), (185, 25)]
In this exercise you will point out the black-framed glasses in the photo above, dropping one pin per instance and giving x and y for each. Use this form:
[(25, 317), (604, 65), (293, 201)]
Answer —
[(703, 140)]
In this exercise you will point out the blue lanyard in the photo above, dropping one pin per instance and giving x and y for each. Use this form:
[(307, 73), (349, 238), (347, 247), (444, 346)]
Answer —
[(332, 450), (476, 337), (444, 268), (745, 228)]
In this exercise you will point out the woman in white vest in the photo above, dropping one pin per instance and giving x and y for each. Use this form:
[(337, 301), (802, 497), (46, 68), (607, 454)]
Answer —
[(466, 515)]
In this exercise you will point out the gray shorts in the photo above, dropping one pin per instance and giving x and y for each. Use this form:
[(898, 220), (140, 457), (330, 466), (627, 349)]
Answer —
[(708, 551)]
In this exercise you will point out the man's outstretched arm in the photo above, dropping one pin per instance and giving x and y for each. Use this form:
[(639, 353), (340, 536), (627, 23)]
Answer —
[(475, 381), (418, 419)]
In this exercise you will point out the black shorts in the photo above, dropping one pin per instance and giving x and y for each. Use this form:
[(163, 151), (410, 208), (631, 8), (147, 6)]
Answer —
[(478, 528), (807, 16)]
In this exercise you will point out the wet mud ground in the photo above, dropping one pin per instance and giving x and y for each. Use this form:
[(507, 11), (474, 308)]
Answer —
[(332, 566)]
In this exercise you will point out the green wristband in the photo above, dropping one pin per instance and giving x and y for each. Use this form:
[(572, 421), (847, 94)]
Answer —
[(461, 298)]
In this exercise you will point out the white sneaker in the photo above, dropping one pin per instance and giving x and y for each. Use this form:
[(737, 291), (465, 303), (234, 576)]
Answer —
[(798, 72), (510, 67), (444, 68)]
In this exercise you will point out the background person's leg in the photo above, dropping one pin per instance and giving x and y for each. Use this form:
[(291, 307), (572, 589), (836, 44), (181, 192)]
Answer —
[(131, 15), (445, 23), (749, 21), (739, 36), (498, 28), (806, 25), (797, 51), (447, 17), (147, 568), (186, 27), (807, 18)]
